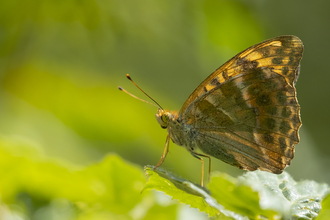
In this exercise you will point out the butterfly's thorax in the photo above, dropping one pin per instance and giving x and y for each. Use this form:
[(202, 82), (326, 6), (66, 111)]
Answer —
[(180, 133)]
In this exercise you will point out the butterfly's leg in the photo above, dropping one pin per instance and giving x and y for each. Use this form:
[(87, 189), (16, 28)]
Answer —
[(166, 149), (203, 155)]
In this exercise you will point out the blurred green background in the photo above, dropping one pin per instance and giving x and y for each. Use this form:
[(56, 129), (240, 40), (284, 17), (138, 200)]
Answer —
[(61, 63)]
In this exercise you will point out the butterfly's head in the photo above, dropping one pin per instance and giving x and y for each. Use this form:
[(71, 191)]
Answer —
[(163, 117)]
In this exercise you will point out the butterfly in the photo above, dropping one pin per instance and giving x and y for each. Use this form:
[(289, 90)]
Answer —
[(245, 113)]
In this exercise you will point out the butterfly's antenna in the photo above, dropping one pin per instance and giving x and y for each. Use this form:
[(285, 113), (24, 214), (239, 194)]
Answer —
[(122, 89)]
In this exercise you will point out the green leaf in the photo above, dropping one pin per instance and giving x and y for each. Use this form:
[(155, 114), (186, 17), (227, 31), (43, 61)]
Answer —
[(300, 200), (180, 189), (325, 212), (255, 195), (237, 197)]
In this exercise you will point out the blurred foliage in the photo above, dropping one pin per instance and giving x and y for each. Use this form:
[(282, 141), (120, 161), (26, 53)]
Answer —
[(33, 183), (61, 112)]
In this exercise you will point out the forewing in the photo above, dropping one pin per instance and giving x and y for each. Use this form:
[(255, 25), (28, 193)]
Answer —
[(282, 54)]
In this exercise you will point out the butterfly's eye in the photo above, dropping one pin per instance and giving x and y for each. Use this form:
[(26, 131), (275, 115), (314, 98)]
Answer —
[(165, 118)]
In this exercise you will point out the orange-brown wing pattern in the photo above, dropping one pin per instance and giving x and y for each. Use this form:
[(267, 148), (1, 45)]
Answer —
[(282, 54), (246, 113)]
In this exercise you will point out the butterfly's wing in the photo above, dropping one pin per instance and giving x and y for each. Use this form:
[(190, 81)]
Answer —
[(246, 112)]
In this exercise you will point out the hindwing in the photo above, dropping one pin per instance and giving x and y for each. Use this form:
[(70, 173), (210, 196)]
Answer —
[(246, 112)]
